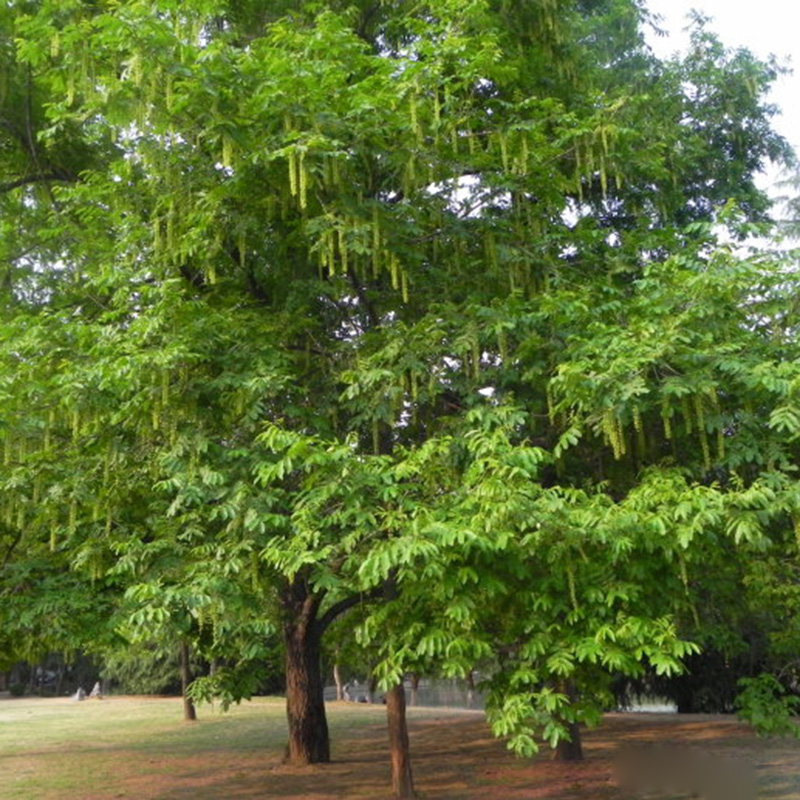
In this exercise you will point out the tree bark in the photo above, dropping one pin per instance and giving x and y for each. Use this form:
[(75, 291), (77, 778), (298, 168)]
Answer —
[(189, 711), (470, 689), (372, 687), (309, 741), (402, 781), (337, 679), (571, 750), (414, 697)]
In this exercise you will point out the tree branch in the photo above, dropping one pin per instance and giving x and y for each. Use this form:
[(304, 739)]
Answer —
[(337, 609), (11, 548), (363, 299), (38, 178)]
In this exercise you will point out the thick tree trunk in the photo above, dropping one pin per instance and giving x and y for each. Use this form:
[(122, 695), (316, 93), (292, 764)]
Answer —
[(303, 628), (305, 705), (402, 782), (572, 750), (189, 711)]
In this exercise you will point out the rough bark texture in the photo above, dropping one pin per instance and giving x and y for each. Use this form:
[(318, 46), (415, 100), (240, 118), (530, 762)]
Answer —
[(402, 782), (570, 750), (309, 741), (189, 711)]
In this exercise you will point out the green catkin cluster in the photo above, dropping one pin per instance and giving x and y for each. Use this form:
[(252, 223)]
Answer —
[(375, 437), (503, 143), (573, 595), (165, 387), (684, 572), (241, 244), (502, 344), (687, 416), (701, 430), (227, 151), (612, 429), (302, 179), (666, 418), (291, 162)]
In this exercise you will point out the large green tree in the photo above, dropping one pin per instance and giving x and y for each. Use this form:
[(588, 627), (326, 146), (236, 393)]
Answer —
[(332, 297)]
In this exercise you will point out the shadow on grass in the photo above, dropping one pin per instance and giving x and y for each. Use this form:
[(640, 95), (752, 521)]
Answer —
[(138, 749)]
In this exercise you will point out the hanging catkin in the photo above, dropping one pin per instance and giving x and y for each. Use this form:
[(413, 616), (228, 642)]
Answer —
[(501, 138), (666, 414), (376, 243), (343, 248), (573, 595), (292, 166), (303, 180)]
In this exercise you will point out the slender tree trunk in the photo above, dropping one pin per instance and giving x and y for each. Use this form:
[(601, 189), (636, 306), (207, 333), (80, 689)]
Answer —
[(337, 679), (414, 696), (470, 689), (402, 781), (189, 711), (570, 750), (372, 687), (309, 741)]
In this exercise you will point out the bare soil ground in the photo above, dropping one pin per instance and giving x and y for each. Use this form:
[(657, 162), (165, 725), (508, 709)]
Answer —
[(139, 748)]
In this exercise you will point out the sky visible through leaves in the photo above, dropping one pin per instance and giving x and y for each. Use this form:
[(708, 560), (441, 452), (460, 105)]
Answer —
[(768, 27)]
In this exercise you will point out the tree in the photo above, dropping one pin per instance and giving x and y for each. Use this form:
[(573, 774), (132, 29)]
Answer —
[(334, 295)]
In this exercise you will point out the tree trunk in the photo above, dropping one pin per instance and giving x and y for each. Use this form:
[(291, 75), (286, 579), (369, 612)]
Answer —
[(470, 689), (305, 705), (571, 750), (337, 679), (414, 697), (372, 687), (402, 782), (189, 711)]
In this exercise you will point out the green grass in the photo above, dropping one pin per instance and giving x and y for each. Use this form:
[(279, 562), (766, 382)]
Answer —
[(61, 748)]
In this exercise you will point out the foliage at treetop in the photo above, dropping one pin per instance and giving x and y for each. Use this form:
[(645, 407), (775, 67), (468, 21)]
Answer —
[(305, 304)]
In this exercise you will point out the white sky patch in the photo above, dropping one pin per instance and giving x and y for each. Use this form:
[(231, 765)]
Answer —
[(765, 27)]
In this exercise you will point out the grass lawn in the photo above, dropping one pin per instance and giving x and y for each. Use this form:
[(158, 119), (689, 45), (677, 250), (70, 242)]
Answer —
[(134, 747)]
